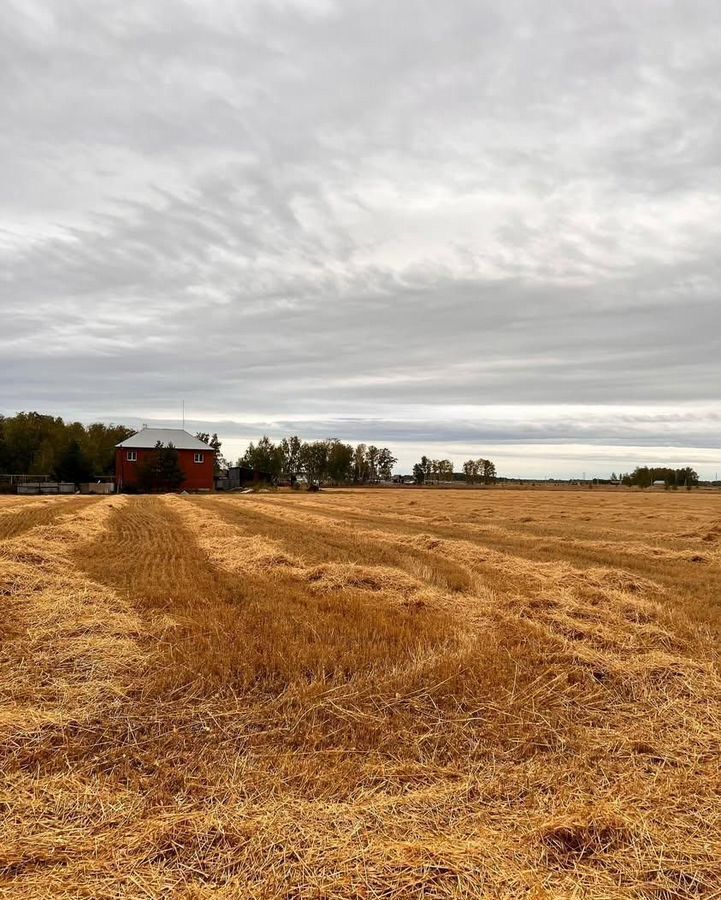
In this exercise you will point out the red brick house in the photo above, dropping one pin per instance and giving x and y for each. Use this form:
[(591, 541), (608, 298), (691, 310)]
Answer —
[(197, 459)]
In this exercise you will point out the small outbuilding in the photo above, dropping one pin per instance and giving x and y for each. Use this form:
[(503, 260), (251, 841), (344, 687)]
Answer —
[(197, 459)]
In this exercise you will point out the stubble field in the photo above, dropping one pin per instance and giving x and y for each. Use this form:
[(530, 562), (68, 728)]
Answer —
[(373, 694)]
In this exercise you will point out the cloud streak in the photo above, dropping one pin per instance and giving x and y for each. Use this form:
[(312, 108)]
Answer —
[(411, 217)]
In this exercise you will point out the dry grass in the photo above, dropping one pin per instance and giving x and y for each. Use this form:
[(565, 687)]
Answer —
[(21, 516), (362, 694)]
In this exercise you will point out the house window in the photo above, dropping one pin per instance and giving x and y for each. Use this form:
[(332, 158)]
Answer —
[(132, 455), (199, 457)]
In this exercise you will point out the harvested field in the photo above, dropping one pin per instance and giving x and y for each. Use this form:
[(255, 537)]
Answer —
[(369, 694), (15, 518)]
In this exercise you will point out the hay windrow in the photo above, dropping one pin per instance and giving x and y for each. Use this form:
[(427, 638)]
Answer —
[(28, 515), (73, 637), (475, 554), (229, 548)]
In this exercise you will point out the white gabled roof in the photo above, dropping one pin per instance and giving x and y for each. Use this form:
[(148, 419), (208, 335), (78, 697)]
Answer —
[(147, 438)]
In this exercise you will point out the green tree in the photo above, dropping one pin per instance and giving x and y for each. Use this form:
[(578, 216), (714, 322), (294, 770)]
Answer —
[(160, 470), (489, 471), (4, 454), (470, 470), (34, 444), (386, 461), (265, 457), (687, 476), (99, 443), (290, 453), (423, 471), (73, 465), (314, 461), (215, 444), (443, 469), (339, 461), (642, 476), (372, 461), (361, 472)]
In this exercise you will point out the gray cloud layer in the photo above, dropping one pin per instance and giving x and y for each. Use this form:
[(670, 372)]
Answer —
[(363, 213)]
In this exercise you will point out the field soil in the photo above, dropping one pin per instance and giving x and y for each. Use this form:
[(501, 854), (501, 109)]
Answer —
[(361, 694)]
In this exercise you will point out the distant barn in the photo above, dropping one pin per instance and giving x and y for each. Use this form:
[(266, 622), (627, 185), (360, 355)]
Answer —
[(235, 478), (197, 459)]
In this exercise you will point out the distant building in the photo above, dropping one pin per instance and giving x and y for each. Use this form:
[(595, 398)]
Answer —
[(238, 476), (197, 459)]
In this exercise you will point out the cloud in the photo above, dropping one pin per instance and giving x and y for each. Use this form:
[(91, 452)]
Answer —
[(364, 215)]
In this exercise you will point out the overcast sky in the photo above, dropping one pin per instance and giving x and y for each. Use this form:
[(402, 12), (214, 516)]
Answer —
[(475, 228)]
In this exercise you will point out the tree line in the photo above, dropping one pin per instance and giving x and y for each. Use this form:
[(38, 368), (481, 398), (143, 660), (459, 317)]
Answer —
[(432, 471), (36, 444), (336, 462), (32, 443), (328, 460), (644, 476)]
